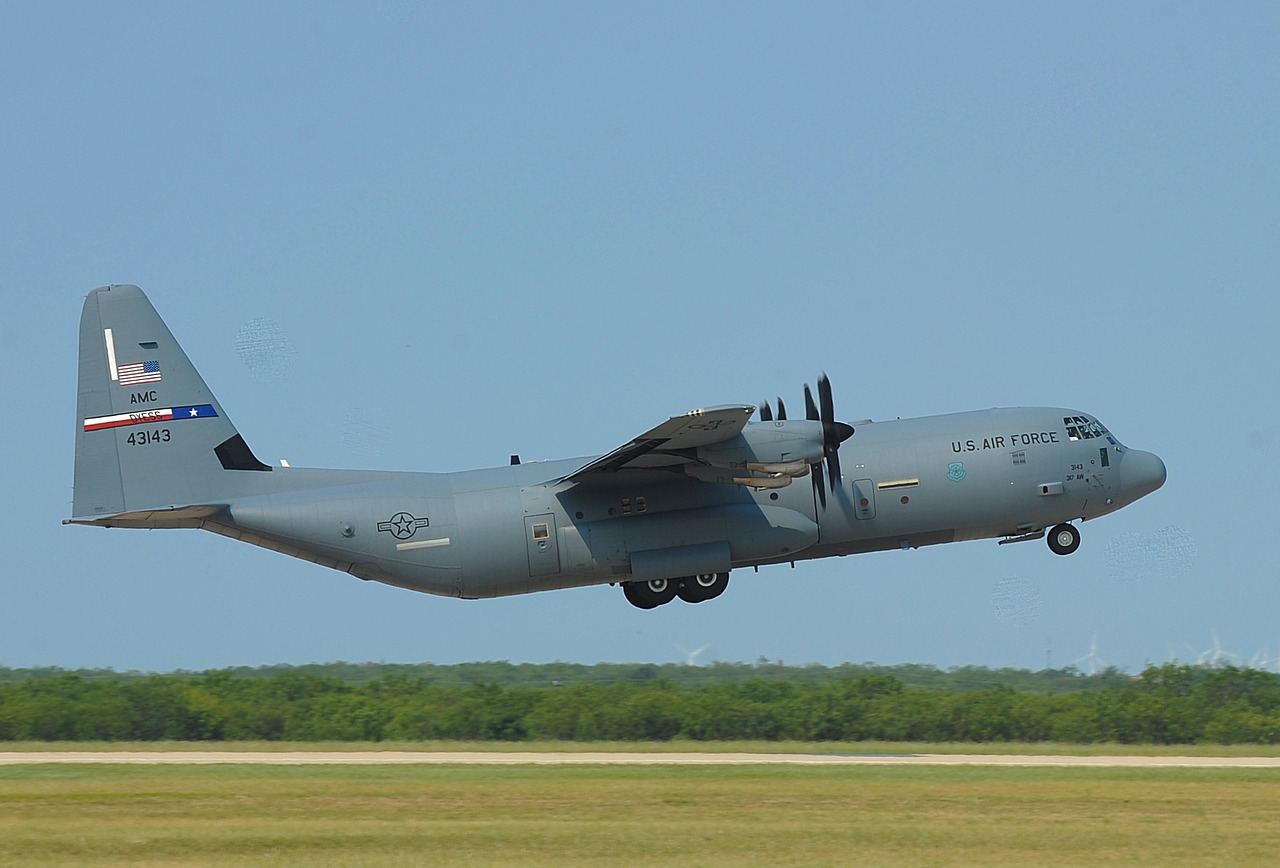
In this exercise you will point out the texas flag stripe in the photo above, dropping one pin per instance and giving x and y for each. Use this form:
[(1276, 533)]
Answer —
[(199, 411), (143, 417)]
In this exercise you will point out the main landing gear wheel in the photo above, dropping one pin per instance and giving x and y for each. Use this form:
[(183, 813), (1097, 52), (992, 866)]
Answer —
[(651, 594), (1064, 539), (706, 586)]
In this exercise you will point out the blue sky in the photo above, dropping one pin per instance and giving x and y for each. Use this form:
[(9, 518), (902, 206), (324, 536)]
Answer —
[(470, 230)]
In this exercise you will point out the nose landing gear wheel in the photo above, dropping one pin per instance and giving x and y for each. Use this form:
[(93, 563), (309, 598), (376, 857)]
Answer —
[(706, 586), (1064, 539), (651, 594)]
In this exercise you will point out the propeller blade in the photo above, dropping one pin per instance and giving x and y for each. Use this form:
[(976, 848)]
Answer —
[(828, 404), (766, 412), (782, 410), (818, 485), (815, 469), (833, 433)]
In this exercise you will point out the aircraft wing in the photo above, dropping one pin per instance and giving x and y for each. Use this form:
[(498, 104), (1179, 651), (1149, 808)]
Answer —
[(659, 448)]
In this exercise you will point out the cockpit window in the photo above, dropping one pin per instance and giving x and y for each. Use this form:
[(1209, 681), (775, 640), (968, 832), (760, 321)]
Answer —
[(1080, 428)]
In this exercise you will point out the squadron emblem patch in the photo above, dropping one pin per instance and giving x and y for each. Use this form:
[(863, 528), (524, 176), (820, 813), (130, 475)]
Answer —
[(955, 471)]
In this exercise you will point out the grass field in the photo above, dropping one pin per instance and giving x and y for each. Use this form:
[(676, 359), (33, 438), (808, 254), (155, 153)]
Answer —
[(1037, 748), (636, 815)]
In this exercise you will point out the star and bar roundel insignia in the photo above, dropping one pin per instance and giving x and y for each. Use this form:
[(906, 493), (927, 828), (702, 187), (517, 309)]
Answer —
[(403, 525)]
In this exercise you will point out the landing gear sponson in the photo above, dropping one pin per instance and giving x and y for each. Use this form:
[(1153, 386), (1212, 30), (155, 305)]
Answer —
[(1063, 539), (691, 589)]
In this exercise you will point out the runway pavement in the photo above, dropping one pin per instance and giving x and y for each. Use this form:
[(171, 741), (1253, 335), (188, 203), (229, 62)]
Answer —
[(209, 757)]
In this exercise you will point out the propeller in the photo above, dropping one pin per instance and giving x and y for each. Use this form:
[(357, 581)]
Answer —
[(833, 434)]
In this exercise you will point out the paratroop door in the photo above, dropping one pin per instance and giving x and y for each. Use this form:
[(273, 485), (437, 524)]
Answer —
[(540, 537)]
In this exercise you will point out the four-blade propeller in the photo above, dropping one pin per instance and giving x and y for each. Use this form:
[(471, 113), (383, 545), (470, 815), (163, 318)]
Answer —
[(833, 434)]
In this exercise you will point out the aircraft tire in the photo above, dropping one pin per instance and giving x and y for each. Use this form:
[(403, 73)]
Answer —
[(1064, 539), (651, 594), (706, 586)]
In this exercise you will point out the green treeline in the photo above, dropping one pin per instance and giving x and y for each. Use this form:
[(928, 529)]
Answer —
[(1169, 704), (507, 674)]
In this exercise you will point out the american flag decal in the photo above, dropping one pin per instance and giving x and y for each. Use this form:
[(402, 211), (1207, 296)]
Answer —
[(139, 372)]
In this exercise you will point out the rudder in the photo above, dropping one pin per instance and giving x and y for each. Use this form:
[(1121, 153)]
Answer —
[(149, 433)]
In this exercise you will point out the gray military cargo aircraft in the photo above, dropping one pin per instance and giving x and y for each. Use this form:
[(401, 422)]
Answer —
[(666, 515)]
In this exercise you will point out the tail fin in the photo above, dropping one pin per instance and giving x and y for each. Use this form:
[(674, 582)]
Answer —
[(150, 436)]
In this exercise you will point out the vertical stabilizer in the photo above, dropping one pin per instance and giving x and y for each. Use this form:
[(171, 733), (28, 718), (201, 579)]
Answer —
[(149, 433)]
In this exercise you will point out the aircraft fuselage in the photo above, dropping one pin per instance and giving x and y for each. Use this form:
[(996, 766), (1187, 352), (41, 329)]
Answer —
[(669, 513), (514, 529)]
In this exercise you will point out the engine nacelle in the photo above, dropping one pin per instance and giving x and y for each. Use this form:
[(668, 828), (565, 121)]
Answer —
[(752, 478), (764, 455)]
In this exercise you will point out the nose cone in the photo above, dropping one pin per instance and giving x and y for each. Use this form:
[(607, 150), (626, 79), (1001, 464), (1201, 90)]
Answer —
[(1142, 473)]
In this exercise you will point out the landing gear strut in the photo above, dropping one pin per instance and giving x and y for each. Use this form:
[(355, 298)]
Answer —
[(1064, 539)]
